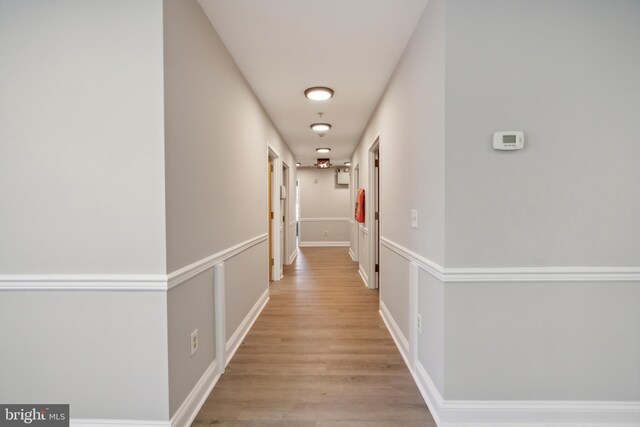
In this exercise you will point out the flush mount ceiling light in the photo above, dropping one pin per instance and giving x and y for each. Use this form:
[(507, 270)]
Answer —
[(347, 163), (323, 150), (321, 127), (298, 164), (318, 93)]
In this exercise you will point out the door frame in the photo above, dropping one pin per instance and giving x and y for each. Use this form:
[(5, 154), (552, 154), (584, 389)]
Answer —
[(354, 197), (374, 232), (276, 182), (286, 178)]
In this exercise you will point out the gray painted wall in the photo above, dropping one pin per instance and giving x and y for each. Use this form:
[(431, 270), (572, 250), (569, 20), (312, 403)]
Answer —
[(410, 121), (104, 353), (569, 198), (216, 163), (84, 116), (246, 282), (216, 185), (82, 182), (190, 306), (565, 73), (542, 341), (323, 199)]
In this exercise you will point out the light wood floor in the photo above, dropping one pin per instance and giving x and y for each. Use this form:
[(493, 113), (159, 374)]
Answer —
[(318, 356)]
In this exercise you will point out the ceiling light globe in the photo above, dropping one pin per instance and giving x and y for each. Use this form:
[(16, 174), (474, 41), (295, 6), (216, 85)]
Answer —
[(318, 93), (321, 127)]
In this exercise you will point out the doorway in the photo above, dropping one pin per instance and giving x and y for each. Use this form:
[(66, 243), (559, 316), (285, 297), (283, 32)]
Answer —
[(270, 214), (274, 214), (284, 212), (374, 213), (354, 193)]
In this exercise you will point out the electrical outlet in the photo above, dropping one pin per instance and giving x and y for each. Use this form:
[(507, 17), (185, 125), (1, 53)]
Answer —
[(194, 342), (414, 218), (419, 322), (326, 233)]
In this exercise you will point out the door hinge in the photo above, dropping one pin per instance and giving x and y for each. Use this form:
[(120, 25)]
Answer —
[(271, 261), (283, 218), (377, 163), (377, 215), (271, 215), (377, 268), (271, 168)]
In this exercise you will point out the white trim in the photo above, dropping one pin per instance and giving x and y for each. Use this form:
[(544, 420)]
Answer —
[(293, 256), (190, 407), (352, 221), (363, 275), (83, 282), (429, 266), (219, 283), (318, 244), (244, 327), (500, 413), (85, 422), (413, 313), (396, 333), (324, 219), (292, 224), (363, 229), (374, 239), (352, 255), (276, 242), (429, 392), (516, 274), (543, 274), (180, 276)]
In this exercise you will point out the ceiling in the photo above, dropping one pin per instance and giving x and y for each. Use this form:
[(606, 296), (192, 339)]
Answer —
[(285, 46)]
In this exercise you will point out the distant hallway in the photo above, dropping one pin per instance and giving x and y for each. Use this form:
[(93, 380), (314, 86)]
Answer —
[(319, 355)]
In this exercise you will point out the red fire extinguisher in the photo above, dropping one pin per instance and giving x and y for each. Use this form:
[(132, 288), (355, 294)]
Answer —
[(359, 216)]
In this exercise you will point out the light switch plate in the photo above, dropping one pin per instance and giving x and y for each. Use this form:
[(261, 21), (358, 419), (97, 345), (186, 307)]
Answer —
[(414, 218)]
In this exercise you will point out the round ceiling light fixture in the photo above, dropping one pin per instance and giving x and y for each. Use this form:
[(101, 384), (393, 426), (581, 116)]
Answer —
[(318, 93), (298, 164), (323, 150), (321, 127), (347, 163)]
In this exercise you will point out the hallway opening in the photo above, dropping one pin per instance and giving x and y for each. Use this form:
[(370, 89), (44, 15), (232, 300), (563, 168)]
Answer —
[(318, 355)]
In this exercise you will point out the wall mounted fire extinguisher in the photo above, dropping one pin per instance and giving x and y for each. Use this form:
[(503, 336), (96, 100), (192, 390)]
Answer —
[(359, 215)]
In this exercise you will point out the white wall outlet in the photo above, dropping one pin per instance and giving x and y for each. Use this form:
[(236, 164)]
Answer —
[(414, 218), (194, 342), (326, 233), (419, 322)]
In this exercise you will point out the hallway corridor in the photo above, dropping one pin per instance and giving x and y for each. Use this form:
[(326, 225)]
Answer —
[(319, 355)]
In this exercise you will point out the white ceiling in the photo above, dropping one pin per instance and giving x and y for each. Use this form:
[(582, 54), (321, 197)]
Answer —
[(285, 46)]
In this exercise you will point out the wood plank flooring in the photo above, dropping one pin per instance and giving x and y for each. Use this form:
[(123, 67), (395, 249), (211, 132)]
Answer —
[(318, 356)]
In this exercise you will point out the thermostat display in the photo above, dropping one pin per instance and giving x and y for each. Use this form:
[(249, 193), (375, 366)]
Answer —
[(508, 140)]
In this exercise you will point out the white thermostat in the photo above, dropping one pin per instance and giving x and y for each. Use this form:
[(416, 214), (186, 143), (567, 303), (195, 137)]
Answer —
[(508, 140)]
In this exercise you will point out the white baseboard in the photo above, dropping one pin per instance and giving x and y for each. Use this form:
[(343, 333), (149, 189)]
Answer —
[(363, 275), (238, 336), (82, 422), (322, 244), (183, 417), (510, 413), (352, 255), (398, 337), (497, 413), (187, 412), (293, 256)]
